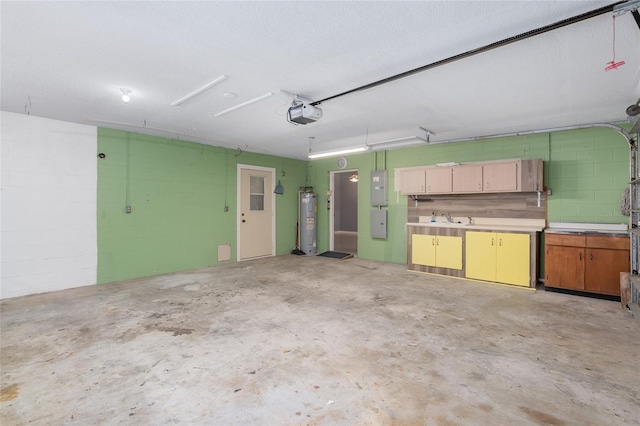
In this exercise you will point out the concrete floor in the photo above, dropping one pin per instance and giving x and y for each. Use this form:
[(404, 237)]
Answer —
[(310, 340)]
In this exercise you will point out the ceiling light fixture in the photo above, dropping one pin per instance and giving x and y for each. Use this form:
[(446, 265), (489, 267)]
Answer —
[(337, 152), (200, 90), (397, 143), (125, 94), (401, 142), (353, 178), (244, 104)]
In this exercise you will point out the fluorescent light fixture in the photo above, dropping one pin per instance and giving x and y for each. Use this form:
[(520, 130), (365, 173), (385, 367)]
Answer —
[(200, 90), (397, 143), (338, 152), (244, 104)]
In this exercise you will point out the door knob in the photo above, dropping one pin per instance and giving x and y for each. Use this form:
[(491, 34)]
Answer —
[(243, 221)]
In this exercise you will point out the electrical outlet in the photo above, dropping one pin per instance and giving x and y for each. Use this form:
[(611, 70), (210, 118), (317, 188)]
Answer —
[(127, 209)]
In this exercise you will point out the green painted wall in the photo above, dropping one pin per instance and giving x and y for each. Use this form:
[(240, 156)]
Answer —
[(177, 191), (587, 171)]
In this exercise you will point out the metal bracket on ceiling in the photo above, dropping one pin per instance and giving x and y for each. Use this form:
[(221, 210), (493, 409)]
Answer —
[(428, 133), (628, 6)]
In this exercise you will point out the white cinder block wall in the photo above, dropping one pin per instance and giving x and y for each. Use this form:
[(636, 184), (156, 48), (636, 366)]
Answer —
[(48, 226)]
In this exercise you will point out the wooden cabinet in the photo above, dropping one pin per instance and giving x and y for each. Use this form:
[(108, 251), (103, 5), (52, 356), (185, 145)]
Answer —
[(590, 263), (467, 179), (490, 177), (438, 180), (499, 257), (437, 250), (501, 177), (513, 176), (412, 181)]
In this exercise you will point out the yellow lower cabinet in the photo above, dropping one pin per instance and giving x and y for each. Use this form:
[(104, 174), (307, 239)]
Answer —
[(513, 259), (481, 255), (423, 250), (449, 252), (499, 257), (437, 251)]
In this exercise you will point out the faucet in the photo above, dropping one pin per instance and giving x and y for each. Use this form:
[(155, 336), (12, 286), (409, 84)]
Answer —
[(448, 216)]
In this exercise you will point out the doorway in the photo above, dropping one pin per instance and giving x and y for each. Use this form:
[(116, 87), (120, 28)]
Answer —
[(344, 208), (256, 212)]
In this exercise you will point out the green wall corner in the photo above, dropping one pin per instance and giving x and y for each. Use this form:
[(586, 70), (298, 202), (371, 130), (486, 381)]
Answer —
[(177, 192)]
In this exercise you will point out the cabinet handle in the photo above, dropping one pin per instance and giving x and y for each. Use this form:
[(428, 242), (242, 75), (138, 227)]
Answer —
[(580, 256), (437, 242), (492, 241), (591, 256), (500, 242), (433, 241)]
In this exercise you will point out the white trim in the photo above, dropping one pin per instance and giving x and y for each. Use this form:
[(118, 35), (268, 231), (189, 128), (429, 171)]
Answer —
[(239, 168)]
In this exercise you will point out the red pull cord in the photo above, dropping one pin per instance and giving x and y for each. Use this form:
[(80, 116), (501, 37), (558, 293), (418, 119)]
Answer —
[(613, 64)]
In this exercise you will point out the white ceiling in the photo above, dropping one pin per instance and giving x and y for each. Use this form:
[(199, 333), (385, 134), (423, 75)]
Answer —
[(67, 61)]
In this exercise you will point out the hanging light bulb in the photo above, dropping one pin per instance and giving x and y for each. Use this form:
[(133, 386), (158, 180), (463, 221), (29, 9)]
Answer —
[(353, 178), (125, 94)]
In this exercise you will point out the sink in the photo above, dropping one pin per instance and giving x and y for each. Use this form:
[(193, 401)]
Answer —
[(445, 224)]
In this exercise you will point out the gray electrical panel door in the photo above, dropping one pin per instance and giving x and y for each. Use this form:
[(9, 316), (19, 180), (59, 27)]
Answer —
[(378, 224), (379, 188)]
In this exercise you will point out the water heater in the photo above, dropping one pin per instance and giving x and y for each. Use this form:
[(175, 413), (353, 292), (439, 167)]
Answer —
[(307, 221)]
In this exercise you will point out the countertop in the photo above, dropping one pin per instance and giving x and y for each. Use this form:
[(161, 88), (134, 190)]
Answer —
[(523, 225), (484, 224), (609, 229)]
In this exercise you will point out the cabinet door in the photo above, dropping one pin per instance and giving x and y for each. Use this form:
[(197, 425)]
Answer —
[(423, 250), (438, 180), (501, 177), (513, 259), (602, 270), (467, 179), (480, 255), (564, 267), (449, 252), (412, 182)]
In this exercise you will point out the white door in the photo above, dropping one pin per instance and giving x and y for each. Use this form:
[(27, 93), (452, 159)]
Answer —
[(256, 212)]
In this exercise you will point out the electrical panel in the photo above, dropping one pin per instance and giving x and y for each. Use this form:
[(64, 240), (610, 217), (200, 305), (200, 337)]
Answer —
[(379, 224), (379, 188)]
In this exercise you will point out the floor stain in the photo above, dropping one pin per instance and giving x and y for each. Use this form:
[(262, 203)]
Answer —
[(486, 407), (176, 331), (541, 418), (9, 393)]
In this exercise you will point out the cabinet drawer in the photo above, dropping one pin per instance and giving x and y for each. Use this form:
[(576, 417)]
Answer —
[(614, 243), (565, 240)]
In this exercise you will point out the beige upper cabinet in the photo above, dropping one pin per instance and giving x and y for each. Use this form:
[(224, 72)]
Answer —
[(513, 176), (489, 177), (439, 180), (412, 181), (501, 177), (467, 178)]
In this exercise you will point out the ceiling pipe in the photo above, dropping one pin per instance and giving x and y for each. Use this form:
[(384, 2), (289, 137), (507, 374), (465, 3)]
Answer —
[(486, 48), (618, 129)]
